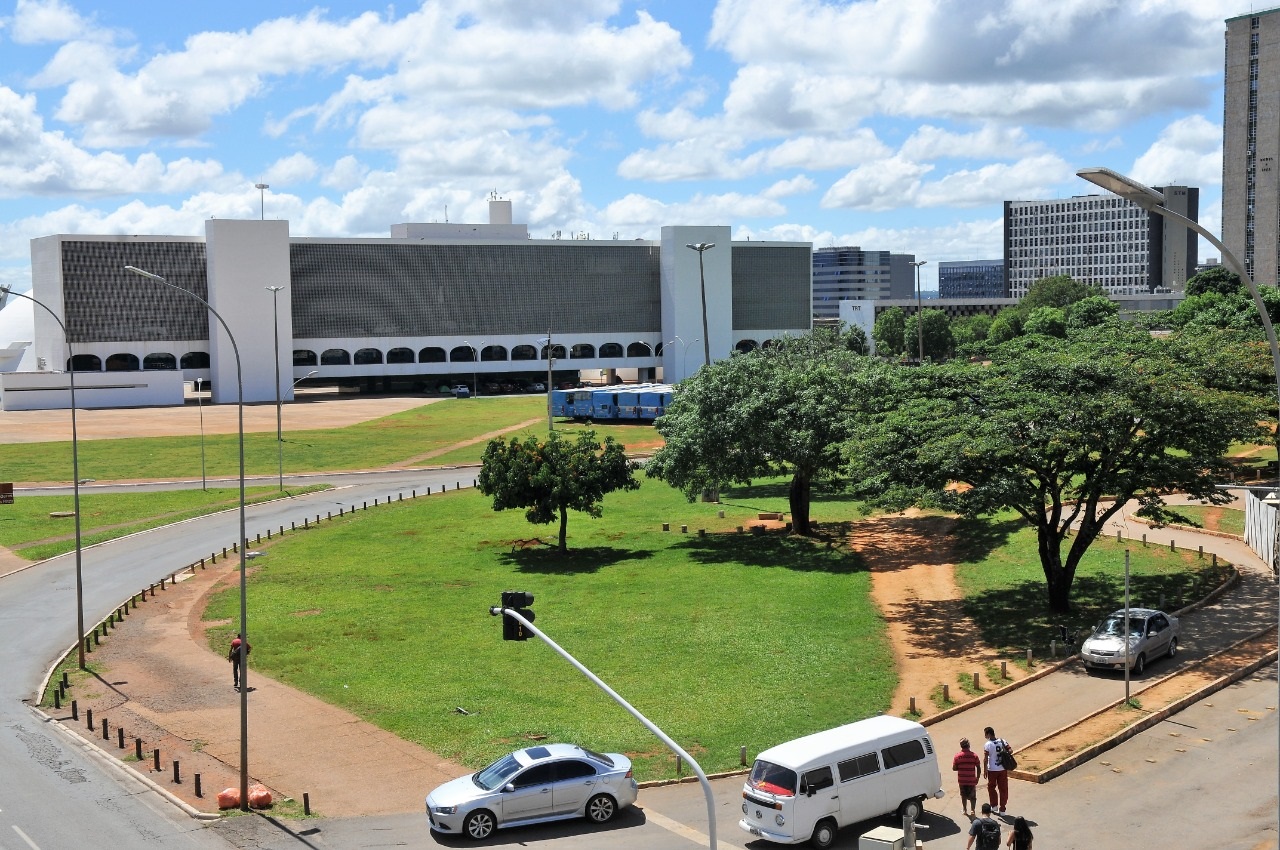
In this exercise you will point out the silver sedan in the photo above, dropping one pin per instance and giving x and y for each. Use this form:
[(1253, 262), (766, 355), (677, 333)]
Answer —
[(534, 785), (1152, 634)]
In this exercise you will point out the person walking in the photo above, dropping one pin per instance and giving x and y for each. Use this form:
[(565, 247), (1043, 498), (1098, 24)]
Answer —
[(997, 776), (1020, 838), (233, 655), (968, 767), (985, 831)]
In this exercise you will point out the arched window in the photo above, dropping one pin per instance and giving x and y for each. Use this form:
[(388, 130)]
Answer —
[(304, 357), (86, 363), (365, 356), (400, 355), (582, 351), (122, 363), (462, 354), (657, 351), (197, 360), (557, 351), (745, 345), (160, 360), (635, 349), (431, 354), (524, 352), (335, 357), (493, 352), (611, 349), (768, 343)]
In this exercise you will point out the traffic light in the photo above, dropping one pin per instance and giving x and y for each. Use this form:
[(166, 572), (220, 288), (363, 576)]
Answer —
[(521, 602)]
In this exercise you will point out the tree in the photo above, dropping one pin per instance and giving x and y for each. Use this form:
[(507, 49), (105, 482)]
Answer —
[(551, 478), (1062, 432), (784, 410), (889, 332), (939, 344), (1091, 312), (1048, 321), (1218, 279), (968, 330), (854, 339), (1007, 326), (1057, 291)]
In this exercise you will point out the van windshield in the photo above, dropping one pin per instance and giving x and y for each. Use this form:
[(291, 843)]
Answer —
[(773, 779)]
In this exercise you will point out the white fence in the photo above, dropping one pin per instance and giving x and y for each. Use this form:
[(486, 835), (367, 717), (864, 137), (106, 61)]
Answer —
[(1260, 527)]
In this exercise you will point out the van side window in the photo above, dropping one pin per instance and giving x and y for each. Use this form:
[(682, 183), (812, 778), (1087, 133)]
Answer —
[(859, 766), (816, 780), (904, 753)]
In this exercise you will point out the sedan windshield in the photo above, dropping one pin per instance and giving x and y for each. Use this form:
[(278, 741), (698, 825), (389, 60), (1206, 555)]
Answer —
[(1114, 625), (497, 774)]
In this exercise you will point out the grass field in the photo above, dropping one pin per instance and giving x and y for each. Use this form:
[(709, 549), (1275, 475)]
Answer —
[(1229, 520)]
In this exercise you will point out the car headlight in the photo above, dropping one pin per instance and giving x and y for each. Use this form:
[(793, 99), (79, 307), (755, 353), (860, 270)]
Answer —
[(445, 810)]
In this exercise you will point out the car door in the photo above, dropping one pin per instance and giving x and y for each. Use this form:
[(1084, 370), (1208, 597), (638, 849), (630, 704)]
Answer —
[(1158, 627), (575, 781), (529, 795)]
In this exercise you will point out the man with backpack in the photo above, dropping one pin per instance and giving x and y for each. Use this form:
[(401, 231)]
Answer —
[(985, 831), (994, 766)]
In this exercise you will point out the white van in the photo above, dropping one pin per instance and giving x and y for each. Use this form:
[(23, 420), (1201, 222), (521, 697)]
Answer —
[(808, 788)]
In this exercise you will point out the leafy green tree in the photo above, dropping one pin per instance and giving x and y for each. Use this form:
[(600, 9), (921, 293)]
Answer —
[(1048, 321), (855, 339), (1218, 279), (1057, 291), (1092, 311), (551, 478), (939, 344), (1062, 432), (1007, 326), (889, 332), (785, 410), (968, 330)]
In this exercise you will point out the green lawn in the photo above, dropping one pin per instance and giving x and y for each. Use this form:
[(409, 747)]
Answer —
[(724, 641), (1229, 520), (28, 527)]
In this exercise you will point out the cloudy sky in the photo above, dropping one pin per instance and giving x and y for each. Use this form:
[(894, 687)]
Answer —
[(890, 124)]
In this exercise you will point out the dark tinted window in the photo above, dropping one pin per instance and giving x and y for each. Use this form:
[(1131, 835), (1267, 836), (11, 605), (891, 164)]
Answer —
[(859, 766), (573, 769), (904, 753), (539, 774), (816, 780)]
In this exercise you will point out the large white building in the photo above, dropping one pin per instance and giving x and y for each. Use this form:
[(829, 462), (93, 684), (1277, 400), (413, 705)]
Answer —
[(1101, 240), (415, 310)]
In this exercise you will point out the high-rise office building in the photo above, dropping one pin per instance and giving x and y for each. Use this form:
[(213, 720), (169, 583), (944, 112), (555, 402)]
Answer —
[(1251, 143), (971, 279), (850, 273), (1101, 240)]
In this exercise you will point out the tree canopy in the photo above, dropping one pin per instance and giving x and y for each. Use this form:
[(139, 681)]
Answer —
[(936, 329), (1057, 291), (1060, 431), (551, 478), (889, 332), (782, 410), (1218, 279)]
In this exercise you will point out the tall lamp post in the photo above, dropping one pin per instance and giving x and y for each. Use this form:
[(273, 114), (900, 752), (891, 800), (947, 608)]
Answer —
[(702, 248), (919, 312), (475, 356), (275, 331), (75, 472), (550, 362), (262, 199), (244, 608), (204, 482)]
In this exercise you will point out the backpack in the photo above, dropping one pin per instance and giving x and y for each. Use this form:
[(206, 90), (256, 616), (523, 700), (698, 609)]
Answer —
[(988, 834), (1004, 755)]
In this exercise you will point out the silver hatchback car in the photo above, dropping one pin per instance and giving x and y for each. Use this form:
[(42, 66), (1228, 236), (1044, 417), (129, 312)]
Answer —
[(1152, 634), (534, 785)]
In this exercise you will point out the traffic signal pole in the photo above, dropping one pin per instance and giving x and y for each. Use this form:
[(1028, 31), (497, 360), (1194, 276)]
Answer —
[(662, 736)]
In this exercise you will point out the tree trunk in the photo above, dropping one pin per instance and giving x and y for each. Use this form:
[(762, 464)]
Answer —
[(564, 529), (1057, 576), (799, 500)]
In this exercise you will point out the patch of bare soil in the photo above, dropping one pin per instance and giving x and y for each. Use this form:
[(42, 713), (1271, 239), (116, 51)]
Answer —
[(913, 583), (1047, 752)]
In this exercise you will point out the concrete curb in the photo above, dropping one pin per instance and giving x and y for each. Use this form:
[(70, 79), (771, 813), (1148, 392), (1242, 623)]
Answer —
[(990, 695), (1190, 528), (113, 763), (1146, 723)]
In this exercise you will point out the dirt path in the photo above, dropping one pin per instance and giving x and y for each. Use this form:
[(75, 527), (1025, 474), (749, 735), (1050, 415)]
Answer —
[(913, 583), (471, 442)]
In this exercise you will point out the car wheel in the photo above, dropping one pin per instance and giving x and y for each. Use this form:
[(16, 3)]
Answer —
[(601, 808), (479, 824), (912, 808), (1173, 648), (824, 834), (1139, 664)]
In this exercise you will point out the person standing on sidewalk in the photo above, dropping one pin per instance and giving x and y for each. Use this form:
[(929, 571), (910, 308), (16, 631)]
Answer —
[(997, 776), (985, 831), (968, 768), (233, 655)]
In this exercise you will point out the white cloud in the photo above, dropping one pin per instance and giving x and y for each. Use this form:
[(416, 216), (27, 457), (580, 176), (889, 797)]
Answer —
[(292, 169), (649, 214), (990, 142), (1188, 152), (797, 185), (38, 21), (880, 185)]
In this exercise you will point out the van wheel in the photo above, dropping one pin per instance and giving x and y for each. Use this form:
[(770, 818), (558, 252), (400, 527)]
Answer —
[(824, 834), (912, 808)]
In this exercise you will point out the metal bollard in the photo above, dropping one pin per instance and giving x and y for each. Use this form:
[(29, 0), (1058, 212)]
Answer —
[(1172, 546), (306, 804), (1053, 649), (666, 526), (268, 534), (120, 737), (198, 794), (137, 748), (946, 693), (75, 711), (1144, 538), (975, 681), (702, 532), (95, 636), (57, 698), (106, 730), (177, 774), (1215, 559), (413, 493), (88, 718), (66, 683), (913, 706), (1200, 552), (1004, 669), (684, 529), (306, 522), (155, 755), (742, 756), (679, 765), (1030, 661)]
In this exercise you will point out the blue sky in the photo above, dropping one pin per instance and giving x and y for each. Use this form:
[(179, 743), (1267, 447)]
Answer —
[(890, 124)]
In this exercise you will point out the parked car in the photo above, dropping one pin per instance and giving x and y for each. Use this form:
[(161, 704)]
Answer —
[(462, 391), (1151, 634), (537, 387), (534, 785)]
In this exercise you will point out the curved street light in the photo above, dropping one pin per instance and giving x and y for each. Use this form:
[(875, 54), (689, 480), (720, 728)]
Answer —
[(75, 472), (919, 311), (244, 608), (204, 481), (702, 248), (475, 357)]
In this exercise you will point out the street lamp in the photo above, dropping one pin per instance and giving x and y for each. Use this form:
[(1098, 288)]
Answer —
[(204, 482), (262, 198), (75, 472), (275, 331), (919, 311), (550, 361), (244, 608), (475, 355), (701, 248), (304, 377)]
